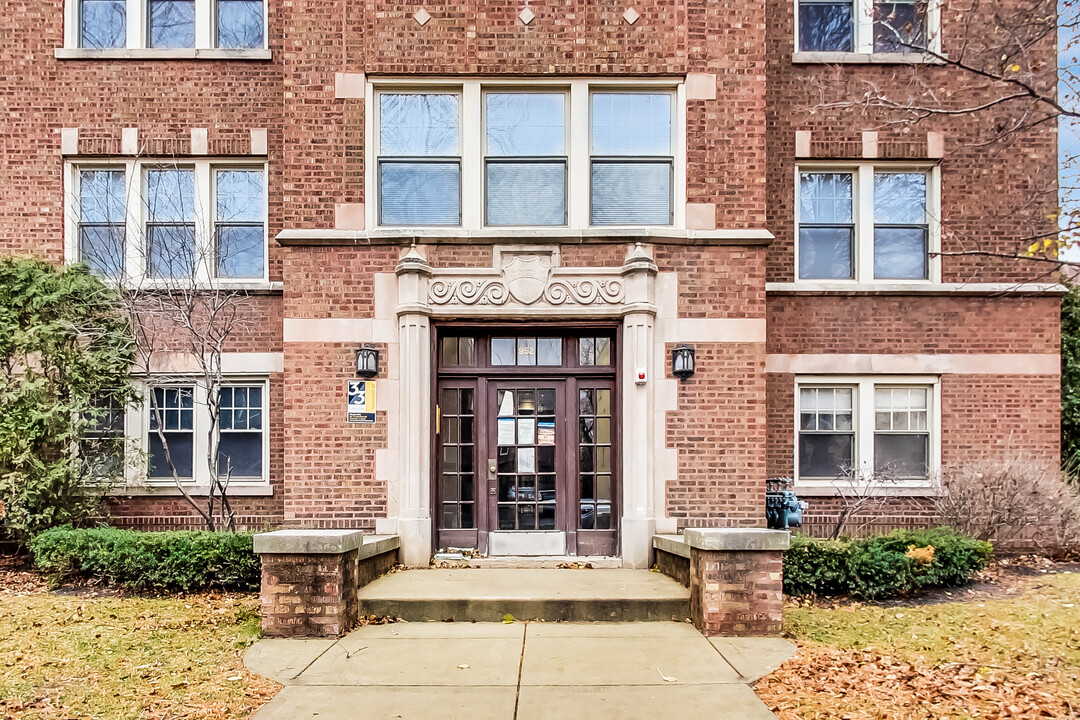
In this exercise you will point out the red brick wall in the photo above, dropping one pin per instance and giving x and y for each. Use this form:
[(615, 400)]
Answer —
[(982, 417), (329, 464), (912, 324), (719, 433), (717, 282), (992, 195)]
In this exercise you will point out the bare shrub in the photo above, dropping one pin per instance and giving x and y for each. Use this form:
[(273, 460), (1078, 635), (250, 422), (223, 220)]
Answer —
[(1014, 500)]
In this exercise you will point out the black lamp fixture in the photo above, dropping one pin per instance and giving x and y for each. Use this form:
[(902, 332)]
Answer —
[(367, 362), (682, 361)]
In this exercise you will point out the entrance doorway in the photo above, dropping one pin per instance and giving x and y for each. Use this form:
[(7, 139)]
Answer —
[(526, 442)]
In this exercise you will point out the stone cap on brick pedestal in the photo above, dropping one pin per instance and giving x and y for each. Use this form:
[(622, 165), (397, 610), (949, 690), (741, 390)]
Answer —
[(737, 539), (308, 542)]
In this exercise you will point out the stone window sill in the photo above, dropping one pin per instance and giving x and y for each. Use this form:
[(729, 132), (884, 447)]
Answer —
[(913, 288), (397, 236), (160, 54), (807, 489), (846, 58), (162, 490)]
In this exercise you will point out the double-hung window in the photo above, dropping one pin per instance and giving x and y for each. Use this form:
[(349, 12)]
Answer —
[(826, 26), (168, 24), (525, 158), (238, 24), (485, 155), (240, 437), (179, 430), (102, 23), (170, 226), (239, 222), (851, 428), (102, 215), (866, 223), (172, 432), (866, 26), (419, 158), (103, 440), (901, 229), (900, 27), (631, 158), (201, 220), (826, 225)]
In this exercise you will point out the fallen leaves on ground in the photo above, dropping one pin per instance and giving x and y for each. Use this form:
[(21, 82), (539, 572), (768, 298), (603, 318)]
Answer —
[(575, 566), (1014, 657), (132, 657)]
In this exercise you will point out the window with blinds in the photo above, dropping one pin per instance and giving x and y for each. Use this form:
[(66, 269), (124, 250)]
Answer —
[(631, 158)]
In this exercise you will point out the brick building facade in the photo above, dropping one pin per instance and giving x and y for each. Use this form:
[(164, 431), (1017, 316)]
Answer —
[(525, 208)]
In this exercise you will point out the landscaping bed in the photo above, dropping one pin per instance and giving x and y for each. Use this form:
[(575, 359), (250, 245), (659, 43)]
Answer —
[(89, 652), (1009, 647)]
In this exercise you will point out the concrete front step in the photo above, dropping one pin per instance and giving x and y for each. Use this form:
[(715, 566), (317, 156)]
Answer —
[(488, 595)]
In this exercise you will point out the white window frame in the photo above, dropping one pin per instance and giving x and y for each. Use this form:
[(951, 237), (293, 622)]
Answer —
[(863, 211), (863, 422), (863, 18), (135, 274), (137, 30), (579, 131), (137, 423)]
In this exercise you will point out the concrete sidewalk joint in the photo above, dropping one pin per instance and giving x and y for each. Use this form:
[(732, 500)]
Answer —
[(518, 671)]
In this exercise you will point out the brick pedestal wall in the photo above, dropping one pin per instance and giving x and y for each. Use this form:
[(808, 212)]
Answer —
[(308, 595), (736, 593)]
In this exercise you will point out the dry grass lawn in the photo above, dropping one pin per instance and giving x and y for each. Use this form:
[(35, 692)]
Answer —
[(1016, 656), (127, 657)]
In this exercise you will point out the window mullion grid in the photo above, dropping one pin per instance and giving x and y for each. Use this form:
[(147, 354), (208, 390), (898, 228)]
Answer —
[(579, 150), (136, 24), (204, 23), (864, 436), (864, 26), (471, 162), (205, 270), (135, 241), (864, 223)]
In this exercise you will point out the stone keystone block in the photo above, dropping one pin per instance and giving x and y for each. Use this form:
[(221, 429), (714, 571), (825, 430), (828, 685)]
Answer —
[(308, 542)]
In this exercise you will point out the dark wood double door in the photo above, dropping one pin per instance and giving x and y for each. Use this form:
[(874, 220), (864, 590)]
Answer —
[(527, 441)]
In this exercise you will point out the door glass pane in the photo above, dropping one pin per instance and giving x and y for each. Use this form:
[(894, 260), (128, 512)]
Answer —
[(457, 458), (525, 437), (594, 458), (503, 351), (526, 351), (549, 351)]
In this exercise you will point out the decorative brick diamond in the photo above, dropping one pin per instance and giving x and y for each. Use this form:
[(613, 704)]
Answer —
[(421, 16), (631, 15), (526, 16)]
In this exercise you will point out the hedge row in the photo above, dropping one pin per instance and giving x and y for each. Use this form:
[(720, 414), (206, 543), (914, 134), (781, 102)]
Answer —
[(883, 566), (176, 560)]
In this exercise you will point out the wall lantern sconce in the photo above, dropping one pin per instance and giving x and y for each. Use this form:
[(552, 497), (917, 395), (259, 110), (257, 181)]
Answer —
[(367, 362), (682, 361)]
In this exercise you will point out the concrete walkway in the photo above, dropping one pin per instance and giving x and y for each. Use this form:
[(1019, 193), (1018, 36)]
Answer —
[(518, 671)]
